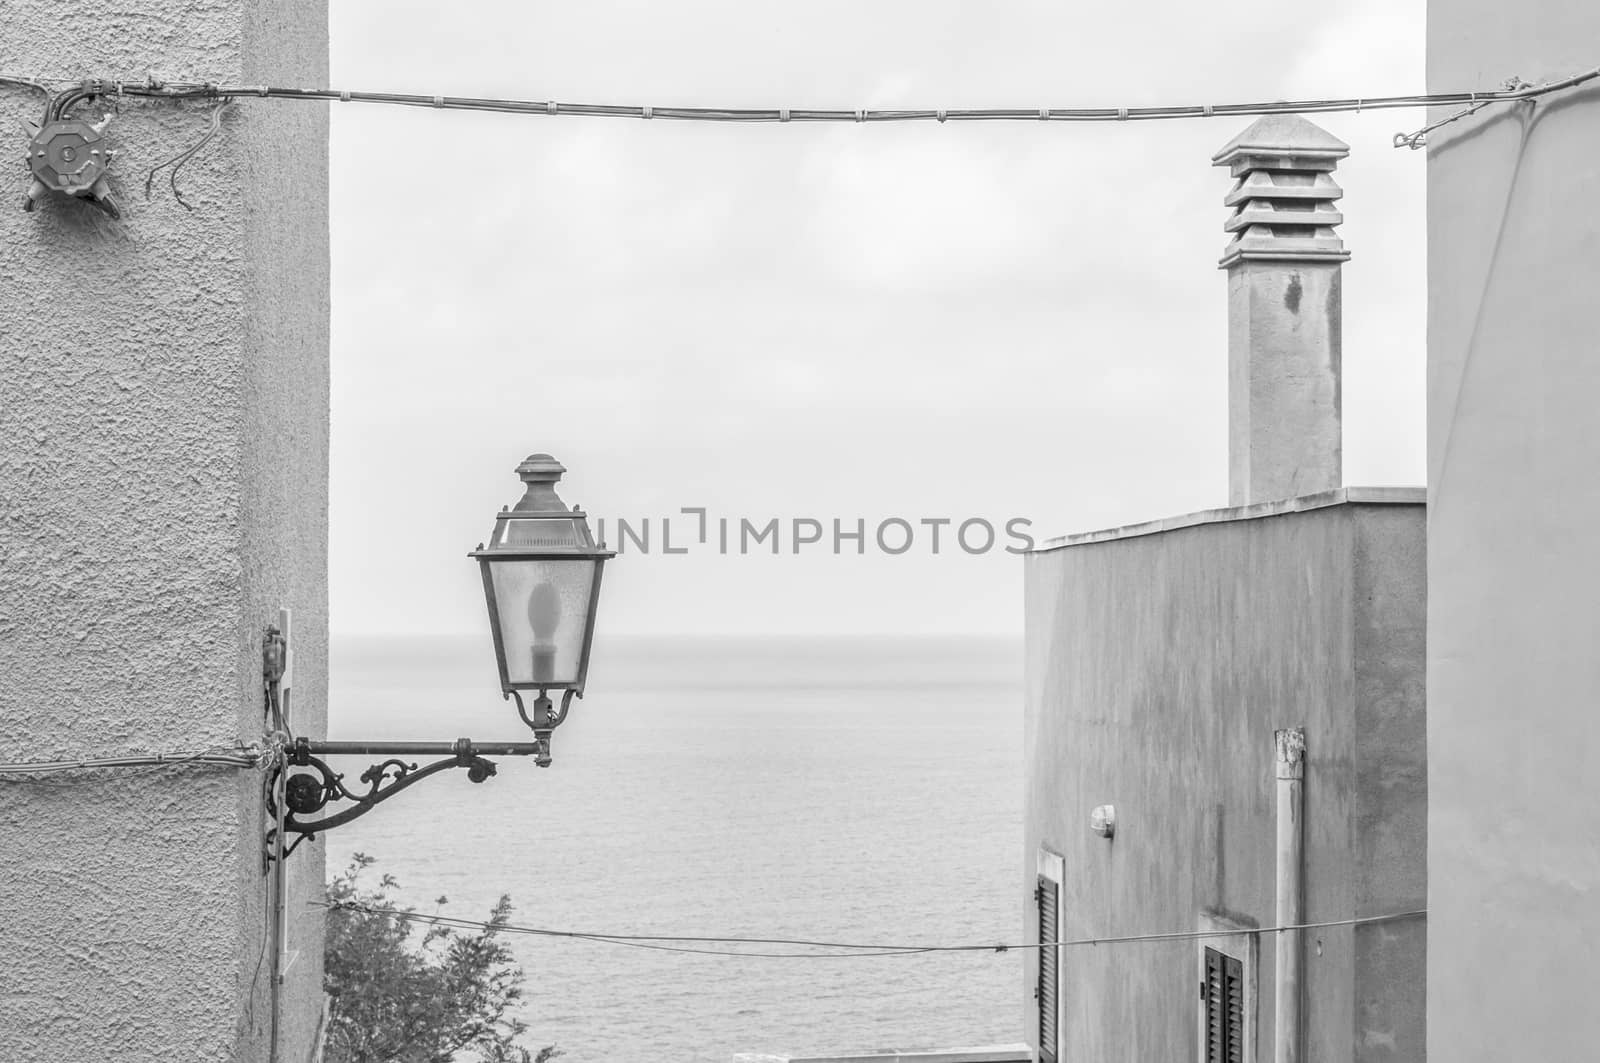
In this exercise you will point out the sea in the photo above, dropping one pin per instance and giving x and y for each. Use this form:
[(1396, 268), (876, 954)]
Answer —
[(840, 789)]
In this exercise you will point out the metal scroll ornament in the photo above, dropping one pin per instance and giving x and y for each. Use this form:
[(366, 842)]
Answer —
[(311, 785)]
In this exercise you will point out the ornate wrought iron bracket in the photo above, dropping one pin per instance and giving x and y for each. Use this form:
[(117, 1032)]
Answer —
[(315, 798), (310, 785)]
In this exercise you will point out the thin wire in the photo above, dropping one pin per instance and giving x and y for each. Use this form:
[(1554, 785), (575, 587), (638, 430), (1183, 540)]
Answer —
[(27, 83), (261, 957), (758, 955), (224, 756), (177, 161), (156, 769), (190, 90), (642, 942), (470, 924), (850, 948), (1419, 139)]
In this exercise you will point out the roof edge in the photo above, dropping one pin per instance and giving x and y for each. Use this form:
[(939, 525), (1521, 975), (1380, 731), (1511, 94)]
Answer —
[(1343, 496)]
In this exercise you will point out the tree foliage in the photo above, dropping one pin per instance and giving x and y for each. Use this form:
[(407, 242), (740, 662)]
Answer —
[(404, 996)]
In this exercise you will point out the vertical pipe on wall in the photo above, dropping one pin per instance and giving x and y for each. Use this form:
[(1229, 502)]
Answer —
[(1290, 745), (280, 927)]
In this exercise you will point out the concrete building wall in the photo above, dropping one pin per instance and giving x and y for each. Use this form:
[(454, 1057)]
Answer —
[(163, 483), (1513, 664), (1159, 661)]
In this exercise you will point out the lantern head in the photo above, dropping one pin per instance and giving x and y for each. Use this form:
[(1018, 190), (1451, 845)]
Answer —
[(541, 577)]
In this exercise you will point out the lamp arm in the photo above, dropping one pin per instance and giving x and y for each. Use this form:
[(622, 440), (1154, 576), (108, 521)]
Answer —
[(308, 792)]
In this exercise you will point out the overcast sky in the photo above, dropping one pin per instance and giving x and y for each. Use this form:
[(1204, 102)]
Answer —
[(801, 321)]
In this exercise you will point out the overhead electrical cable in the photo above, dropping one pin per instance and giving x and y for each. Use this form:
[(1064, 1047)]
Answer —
[(840, 950), (223, 756), (1515, 92)]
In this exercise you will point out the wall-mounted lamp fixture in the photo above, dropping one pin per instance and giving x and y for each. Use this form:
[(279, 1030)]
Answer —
[(541, 578), (1103, 820)]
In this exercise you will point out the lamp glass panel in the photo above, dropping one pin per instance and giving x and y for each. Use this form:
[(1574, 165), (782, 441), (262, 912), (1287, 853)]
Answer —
[(544, 612)]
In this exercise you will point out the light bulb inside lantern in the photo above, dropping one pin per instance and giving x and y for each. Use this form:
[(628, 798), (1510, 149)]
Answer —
[(544, 615), (544, 611)]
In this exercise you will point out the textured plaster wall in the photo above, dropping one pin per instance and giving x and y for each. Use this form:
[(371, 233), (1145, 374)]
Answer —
[(1157, 668), (1514, 639), (163, 482)]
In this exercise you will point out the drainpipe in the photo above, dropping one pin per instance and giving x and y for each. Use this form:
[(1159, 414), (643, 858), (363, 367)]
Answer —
[(1291, 758), (279, 921)]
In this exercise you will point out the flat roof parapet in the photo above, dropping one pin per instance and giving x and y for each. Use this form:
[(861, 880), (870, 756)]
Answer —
[(1382, 496)]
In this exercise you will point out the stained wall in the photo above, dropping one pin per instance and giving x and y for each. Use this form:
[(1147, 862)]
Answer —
[(1159, 661)]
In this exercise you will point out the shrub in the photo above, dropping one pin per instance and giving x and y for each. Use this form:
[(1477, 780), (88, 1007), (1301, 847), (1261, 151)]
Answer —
[(400, 996)]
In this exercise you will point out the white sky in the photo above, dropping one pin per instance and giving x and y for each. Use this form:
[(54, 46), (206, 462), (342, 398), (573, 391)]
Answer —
[(822, 321)]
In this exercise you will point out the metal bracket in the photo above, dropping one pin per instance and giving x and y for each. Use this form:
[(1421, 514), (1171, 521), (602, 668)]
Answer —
[(543, 721), (310, 785), (277, 669)]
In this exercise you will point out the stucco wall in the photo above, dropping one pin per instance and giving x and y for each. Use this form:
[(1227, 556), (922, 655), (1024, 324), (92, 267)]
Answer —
[(1157, 668), (163, 457), (1513, 664)]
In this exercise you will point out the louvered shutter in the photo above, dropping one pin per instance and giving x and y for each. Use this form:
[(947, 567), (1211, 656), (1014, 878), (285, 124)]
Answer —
[(1222, 995), (1210, 996), (1047, 992), (1233, 1007)]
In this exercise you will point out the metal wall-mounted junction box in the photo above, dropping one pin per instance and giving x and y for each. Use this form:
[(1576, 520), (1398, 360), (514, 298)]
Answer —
[(71, 156)]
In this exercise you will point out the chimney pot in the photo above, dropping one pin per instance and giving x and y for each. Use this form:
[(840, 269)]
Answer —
[(1284, 310)]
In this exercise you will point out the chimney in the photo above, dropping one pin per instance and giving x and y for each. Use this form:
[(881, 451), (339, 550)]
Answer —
[(1283, 310)]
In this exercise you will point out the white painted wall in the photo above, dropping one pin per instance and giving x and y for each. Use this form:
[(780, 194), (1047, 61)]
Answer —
[(1513, 573)]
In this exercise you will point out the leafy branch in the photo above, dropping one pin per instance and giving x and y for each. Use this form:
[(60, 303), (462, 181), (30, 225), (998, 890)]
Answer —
[(401, 997)]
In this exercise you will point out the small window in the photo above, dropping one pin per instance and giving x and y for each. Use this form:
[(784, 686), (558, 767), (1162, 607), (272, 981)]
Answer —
[(1047, 990), (1223, 998), (1227, 970)]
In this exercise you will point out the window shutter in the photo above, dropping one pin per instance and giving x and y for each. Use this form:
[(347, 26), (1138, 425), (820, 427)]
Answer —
[(1222, 995), (1048, 990), (1233, 1007), (1212, 990)]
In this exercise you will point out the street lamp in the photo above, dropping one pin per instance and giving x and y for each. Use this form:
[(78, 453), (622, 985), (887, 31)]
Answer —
[(541, 579)]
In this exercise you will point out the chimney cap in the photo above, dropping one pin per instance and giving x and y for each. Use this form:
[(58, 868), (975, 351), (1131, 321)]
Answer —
[(1306, 145), (1284, 193)]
